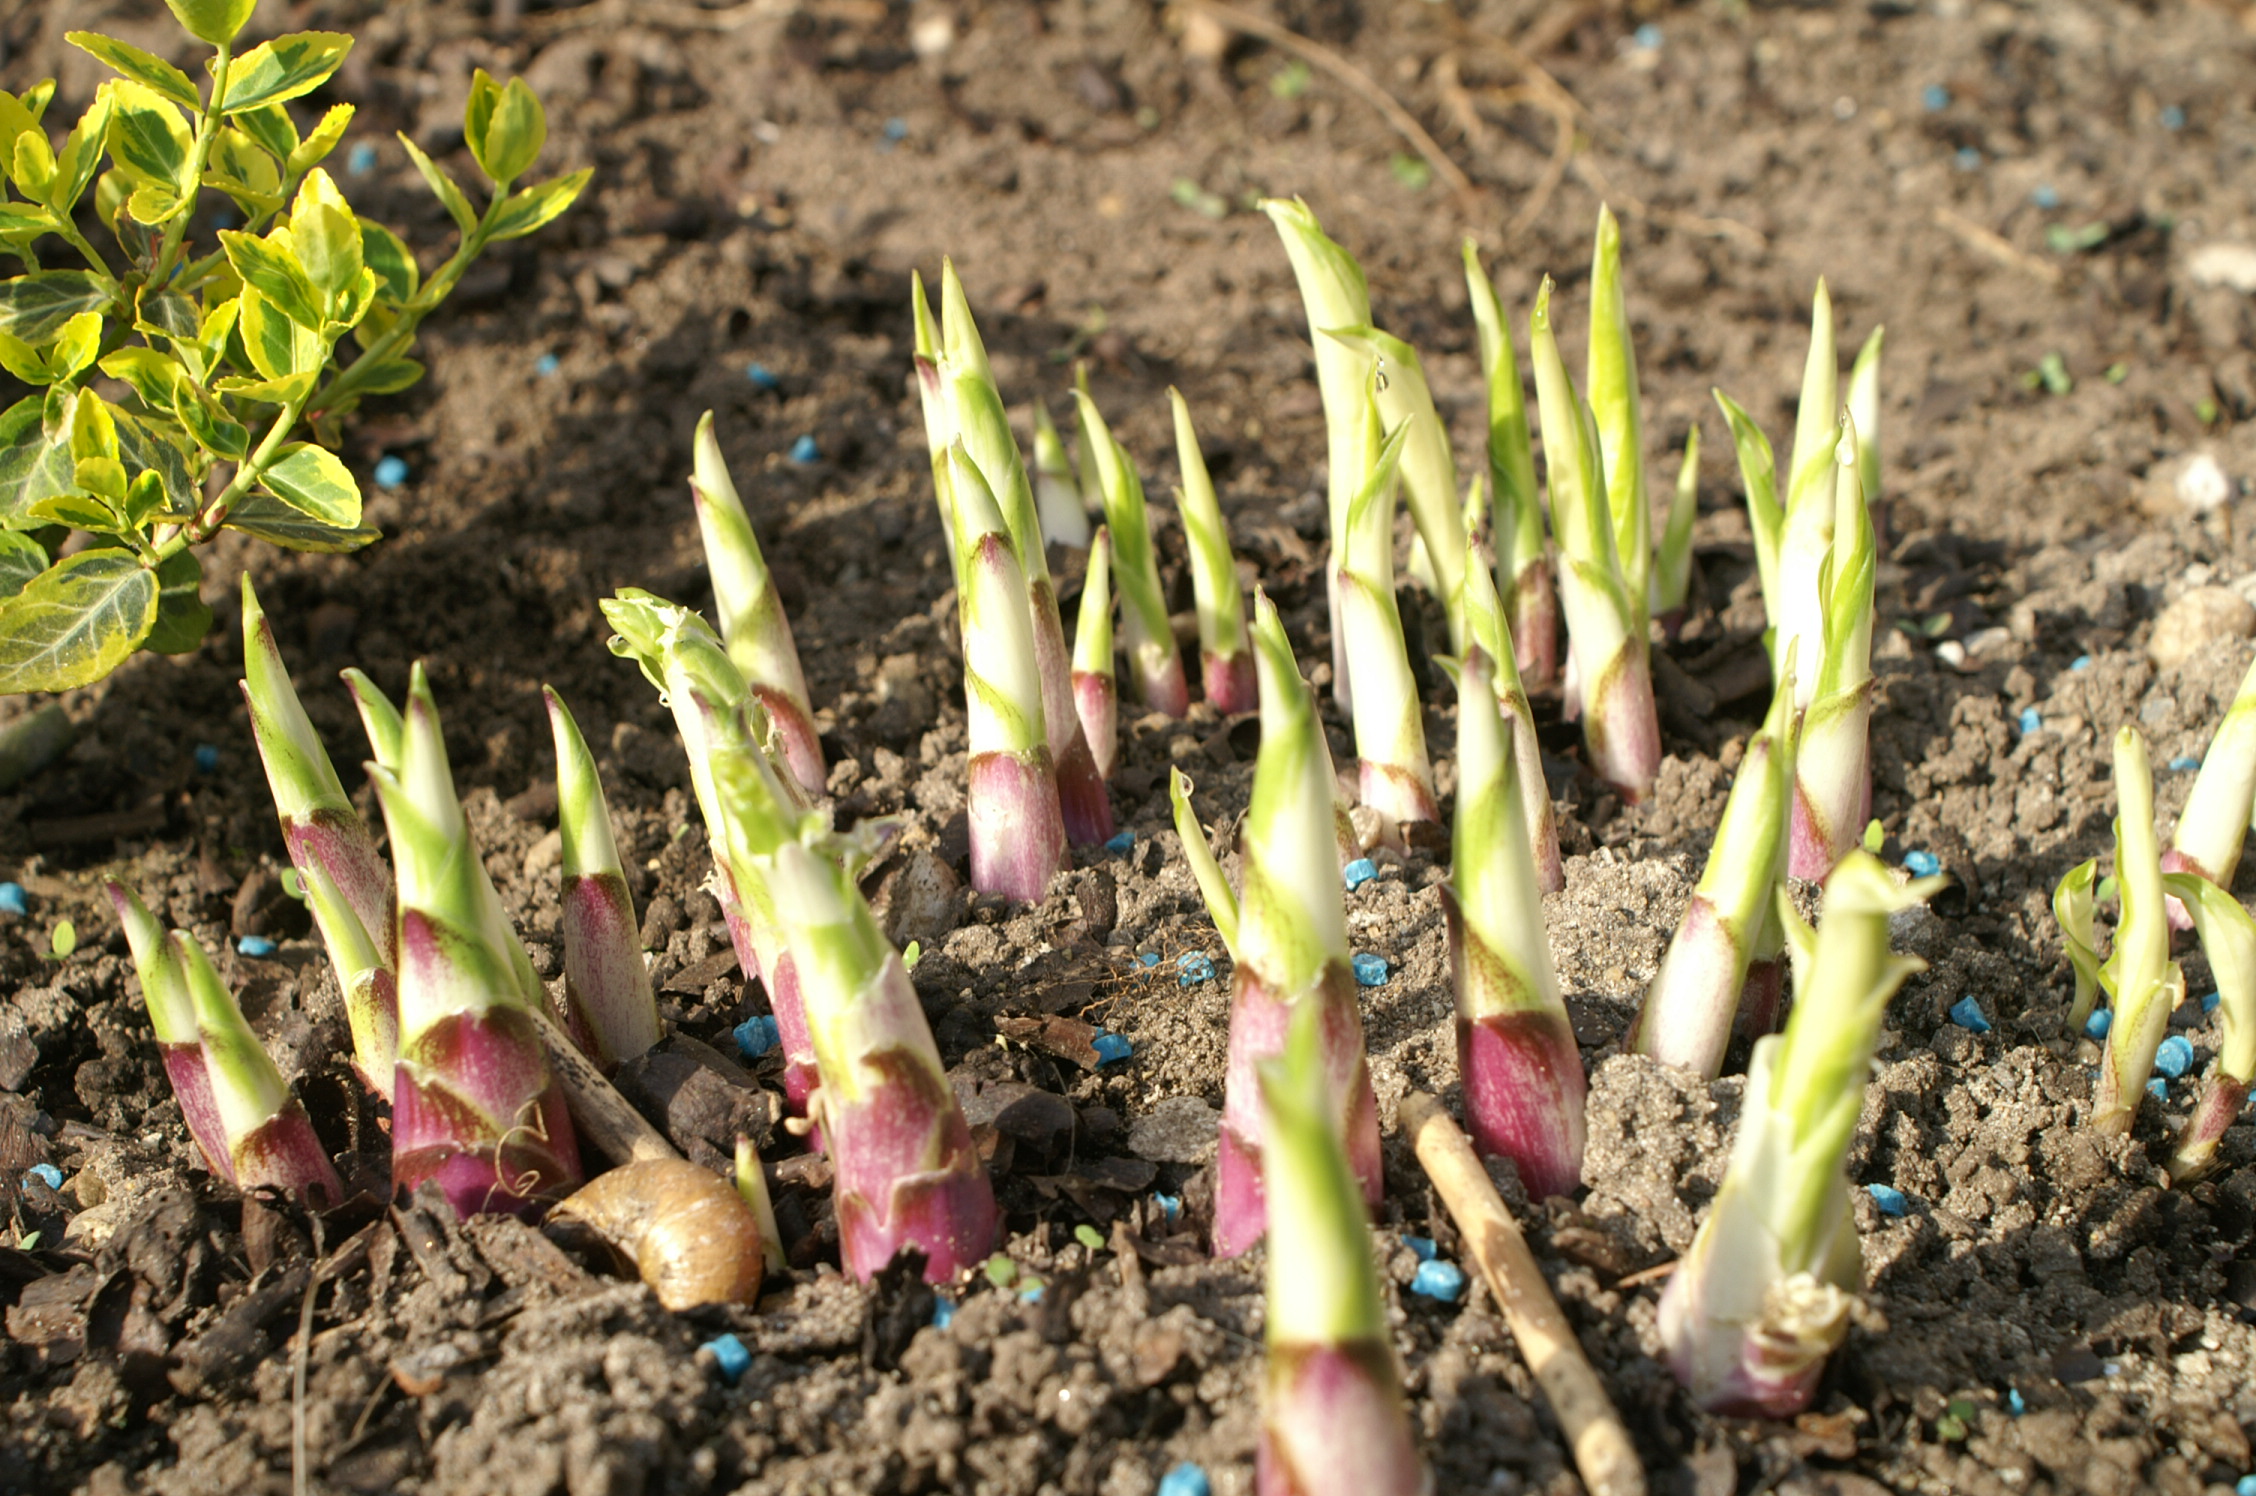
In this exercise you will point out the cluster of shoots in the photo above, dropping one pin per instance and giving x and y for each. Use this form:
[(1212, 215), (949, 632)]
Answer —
[(1816, 556), (2142, 985), (875, 1092), (1765, 1293), (173, 383)]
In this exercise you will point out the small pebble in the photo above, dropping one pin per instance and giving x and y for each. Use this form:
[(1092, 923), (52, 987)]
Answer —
[(730, 1358), (391, 471), (2209, 1001), (1188, 1479), (1647, 37), (1439, 1280), (46, 1174), (2081, 662), (1968, 1014), (1032, 1292), (2246, 1486), (2173, 118), (1192, 968), (2175, 1056), (207, 759), (1111, 1048), (762, 377), (2184, 765), (1888, 1199), (1370, 970), (804, 451), (255, 946), (2047, 197), (546, 365), (756, 1035), (1934, 98), (2159, 1089), (1421, 1247), (2099, 1023), (1170, 1206), (2030, 721), (2015, 1403), (1951, 653), (1922, 864), (1147, 959), (943, 1311), (896, 129), (12, 898), (1359, 872), (361, 159), (1967, 159), (1124, 842)]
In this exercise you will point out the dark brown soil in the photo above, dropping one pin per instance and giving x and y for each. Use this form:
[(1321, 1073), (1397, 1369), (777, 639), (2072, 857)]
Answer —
[(767, 174)]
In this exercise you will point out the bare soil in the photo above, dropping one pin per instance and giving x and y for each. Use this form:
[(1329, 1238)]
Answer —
[(2045, 1317)]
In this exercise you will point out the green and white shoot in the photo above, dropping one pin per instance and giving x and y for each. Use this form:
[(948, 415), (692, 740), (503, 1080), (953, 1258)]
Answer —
[(2214, 823), (1290, 949), (1017, 831), (1393, 775), (2073, 907), (2228, 939), (1148, 635), (1096, 696), (1832, 761), (752, 1188), (172, 1018), (475, 1105), (1333, 1418), (975, 417), (347, 881), (1333, 293), (1672, 560), (2143, 984), (269, 1139), (1057, 490), (1523, 1077), (1617, 415), (1486, 630), (1864, 411), (1608, 660), (750, 611), (1225, 647), (1523, 563), (1429, 472), (1764, 1294), (609, 1009), (1688, 1011)]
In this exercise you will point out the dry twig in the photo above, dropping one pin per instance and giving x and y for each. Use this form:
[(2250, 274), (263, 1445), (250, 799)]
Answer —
[(605, 1118), (1602, 1448), (1995, 247)]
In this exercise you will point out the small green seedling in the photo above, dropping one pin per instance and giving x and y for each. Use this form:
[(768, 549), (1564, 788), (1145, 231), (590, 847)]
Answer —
[(64, 940), (229, 356)]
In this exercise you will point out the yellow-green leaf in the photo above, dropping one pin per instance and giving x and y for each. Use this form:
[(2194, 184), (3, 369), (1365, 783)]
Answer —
[(325, 237), (443, 186), (322, 141), (149, 138), (151, 375), (21, 559), (35, 307), (271, 126), (271, 520), (282, 391), (93, 431), (505, 127), (381, 251), (272, 268), (24, 219), (536, 207), (209, 425), (284, 68), (82, 155), (312, 481), (75, 512), (213, 21), (183, 618), (142, 67), (32, 165)]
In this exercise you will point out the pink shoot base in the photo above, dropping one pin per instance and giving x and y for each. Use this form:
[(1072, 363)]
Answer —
[(1524, 1089), (793, 1037), (1082, 802), (476, 1108), (191, 1086), (907, 1172), (802, 746), (1017, 828), (2175, 861), (1333, 1423), (1230, 682), (286, 1155), (1160, 679), (1621, 728), (1401, 798), (1258, 1025), (1096, 701), (1535, 626)]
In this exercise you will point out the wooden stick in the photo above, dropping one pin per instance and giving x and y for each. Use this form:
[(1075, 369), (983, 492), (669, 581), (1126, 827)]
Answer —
[(605, 1118), (1602, 1448)]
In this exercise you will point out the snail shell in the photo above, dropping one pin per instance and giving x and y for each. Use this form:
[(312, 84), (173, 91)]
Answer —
[(684, 1228)]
